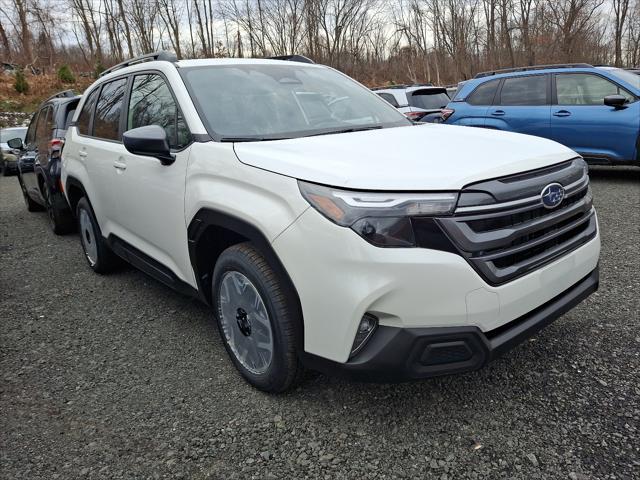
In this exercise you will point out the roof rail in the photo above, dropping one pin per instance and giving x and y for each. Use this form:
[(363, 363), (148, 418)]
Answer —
[(403, 86), (534, 67), (64, 94), (147, 57), (292, 58)]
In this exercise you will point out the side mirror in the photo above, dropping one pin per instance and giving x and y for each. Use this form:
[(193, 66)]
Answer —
[(150, 141), (616, 101), (15, 143)]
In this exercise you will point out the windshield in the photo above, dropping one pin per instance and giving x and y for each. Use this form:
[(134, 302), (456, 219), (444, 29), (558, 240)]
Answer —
[(428, 100), (9, 133), (629, 77), (266, 102)]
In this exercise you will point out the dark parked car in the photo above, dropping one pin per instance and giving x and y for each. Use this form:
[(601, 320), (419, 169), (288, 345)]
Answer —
[(39, 160), (8, 157)]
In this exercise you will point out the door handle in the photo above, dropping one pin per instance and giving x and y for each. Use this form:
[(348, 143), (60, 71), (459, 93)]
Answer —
[(498, 113), (120, 165), (562, 113), (82, 153)]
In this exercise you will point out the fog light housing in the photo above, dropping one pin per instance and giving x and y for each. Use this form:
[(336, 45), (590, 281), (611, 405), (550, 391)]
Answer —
[(367, 326)]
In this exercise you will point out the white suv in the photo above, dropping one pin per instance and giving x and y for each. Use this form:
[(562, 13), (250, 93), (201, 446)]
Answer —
[(419, 103), (303, 209)]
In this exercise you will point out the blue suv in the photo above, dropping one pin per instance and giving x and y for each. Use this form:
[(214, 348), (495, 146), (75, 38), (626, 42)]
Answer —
[(593, 110)]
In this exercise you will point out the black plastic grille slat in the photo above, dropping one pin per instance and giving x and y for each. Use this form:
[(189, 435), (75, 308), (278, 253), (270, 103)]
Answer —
[(508, 241)]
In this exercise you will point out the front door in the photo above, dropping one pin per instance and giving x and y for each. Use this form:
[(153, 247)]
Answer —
[(151, 195), (581, 121)]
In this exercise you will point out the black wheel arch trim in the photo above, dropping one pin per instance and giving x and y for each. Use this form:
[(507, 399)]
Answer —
[(202, 268), (74, 182)]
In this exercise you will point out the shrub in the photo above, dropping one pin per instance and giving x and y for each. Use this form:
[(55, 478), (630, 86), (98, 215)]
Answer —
[(21, 84), (99, 68), (65, 75)]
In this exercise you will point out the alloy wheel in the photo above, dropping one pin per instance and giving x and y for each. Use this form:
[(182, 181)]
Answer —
[(88, 238), (245, 322)]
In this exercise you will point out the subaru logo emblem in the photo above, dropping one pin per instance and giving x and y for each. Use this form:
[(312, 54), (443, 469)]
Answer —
[(552, 195)]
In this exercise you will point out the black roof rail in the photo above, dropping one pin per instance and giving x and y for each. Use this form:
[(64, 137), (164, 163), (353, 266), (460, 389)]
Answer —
[(534, 67), (64, 94), (391, 87), (147, 57), (402, 86), (292, 58)]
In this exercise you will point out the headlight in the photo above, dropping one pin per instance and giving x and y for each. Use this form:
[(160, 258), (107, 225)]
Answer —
[(381, 218)]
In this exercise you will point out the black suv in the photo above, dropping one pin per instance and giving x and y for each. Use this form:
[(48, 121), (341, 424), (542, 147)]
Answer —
[(39, 161)]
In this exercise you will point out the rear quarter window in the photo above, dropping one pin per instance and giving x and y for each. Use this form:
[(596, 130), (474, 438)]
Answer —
[(484, 93), (389, 98)]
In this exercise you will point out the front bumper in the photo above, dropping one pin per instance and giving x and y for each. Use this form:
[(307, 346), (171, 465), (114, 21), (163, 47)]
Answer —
[(395, 354)]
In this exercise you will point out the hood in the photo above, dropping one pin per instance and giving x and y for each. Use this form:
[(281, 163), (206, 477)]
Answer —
[(416, 158)]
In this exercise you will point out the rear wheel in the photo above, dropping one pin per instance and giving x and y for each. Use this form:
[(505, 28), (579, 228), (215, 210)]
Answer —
[(60, 219), (256, 319), (98, 254), (31, 204)]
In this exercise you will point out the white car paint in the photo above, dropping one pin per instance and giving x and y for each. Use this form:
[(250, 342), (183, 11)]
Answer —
[(380, 159), (338, 275)]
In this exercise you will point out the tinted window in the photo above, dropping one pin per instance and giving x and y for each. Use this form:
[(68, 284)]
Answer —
[(153, 104), (85, 115), (31, 133), (585, 89), (524, 91), (108, 109), (43, 127), (390, 98), (483, 95), (428, 100)]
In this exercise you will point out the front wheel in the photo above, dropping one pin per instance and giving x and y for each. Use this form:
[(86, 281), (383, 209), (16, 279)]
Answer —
[(256, 319)]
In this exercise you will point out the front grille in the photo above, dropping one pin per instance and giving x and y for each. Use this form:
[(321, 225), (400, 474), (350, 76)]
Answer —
[(516, 234)]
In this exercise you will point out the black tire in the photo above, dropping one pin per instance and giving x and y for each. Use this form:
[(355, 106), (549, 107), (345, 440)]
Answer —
[(60, 220), (284, 369), (31, 204), (101, 258)]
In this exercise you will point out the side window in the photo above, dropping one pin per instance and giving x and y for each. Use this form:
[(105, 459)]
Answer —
[(586, 89), (484, 93), (84, 119), (524, 91), (390, 98), (31, 132), (43, 128), (108, 109), (152, 103)]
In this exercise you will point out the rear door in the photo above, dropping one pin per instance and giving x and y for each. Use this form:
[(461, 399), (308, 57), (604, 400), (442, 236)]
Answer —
[(522, 105), (472, 110), (581, 120)]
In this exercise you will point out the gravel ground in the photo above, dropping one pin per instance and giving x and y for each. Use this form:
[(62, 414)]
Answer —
[(119, 377)]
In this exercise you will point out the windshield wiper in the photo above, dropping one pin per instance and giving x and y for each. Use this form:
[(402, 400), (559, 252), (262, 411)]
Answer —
[(347, 130), (245, 139)]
